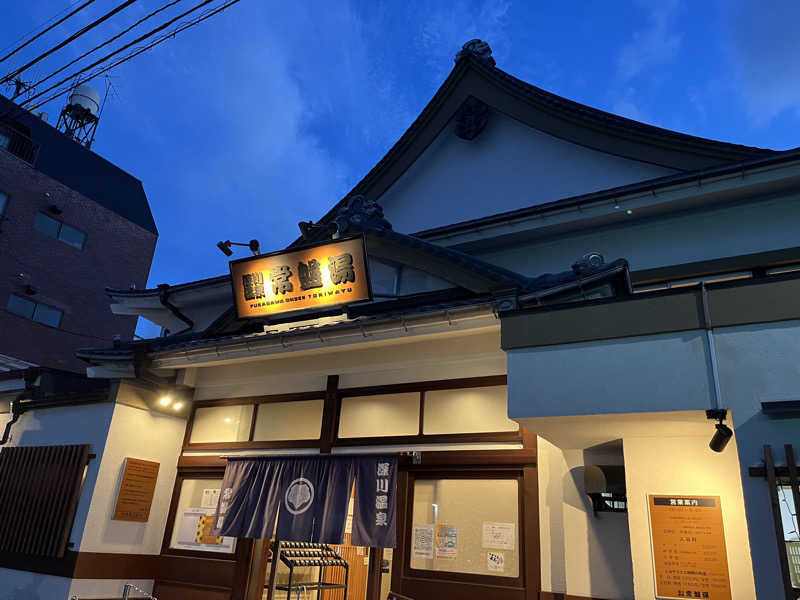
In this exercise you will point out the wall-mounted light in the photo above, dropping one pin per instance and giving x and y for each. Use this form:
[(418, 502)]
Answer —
[(723, 433), (227, 419), (165, 401), (225, 247), (177, 406)]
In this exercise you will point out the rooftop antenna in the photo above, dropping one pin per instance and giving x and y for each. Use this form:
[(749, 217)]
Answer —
[(79, 118)]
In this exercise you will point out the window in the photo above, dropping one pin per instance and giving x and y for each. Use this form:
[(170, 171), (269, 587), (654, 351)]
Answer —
[(194, 518), (379, 416), (222, 424), (5, 140), (279, 421), (41, 313), (470, 410), (56, 229), (427, 410), (479, 536), (3, 202)]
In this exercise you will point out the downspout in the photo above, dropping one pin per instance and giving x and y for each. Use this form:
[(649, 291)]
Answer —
[(717, 399), (17, 408), (163, 297)]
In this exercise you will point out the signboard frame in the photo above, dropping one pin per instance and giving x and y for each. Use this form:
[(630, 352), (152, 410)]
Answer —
[(144, 499), (700, 500), (293, 314)]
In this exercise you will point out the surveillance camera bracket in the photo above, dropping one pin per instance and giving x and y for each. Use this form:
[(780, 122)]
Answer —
[(717, 414)]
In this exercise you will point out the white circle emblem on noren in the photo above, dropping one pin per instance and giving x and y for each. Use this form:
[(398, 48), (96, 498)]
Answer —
[(299, 496)]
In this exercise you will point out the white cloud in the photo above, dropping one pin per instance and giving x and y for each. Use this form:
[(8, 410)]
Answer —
[(655, 44), (764, 49)]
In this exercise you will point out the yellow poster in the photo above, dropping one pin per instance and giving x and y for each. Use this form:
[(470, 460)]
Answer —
[(689, 556), (319, 276)]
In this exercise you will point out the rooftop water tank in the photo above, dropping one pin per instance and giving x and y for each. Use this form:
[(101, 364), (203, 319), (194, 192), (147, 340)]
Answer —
[(86, 97)]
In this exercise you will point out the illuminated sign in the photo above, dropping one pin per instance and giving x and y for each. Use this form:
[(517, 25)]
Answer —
[(319, 276), (689, 556)]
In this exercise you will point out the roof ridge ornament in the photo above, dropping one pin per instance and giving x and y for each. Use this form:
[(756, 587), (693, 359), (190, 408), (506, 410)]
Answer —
[(479, 50), (356, 215), (359, 214)]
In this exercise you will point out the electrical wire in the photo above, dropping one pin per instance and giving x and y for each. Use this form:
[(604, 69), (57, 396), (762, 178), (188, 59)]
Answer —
[(103, 69), (100, 61), (36, 37), (107, 42), (71, 38)]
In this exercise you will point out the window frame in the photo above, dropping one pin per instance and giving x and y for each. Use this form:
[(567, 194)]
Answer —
[(421, 437), (243, 545), (255, 401), (489, 473), (61, 225), (331, 413), (36, 305)]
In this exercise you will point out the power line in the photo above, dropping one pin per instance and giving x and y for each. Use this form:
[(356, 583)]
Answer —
[(53, 26), (107, 42), (38, 27), (71, 38), (100, 61)]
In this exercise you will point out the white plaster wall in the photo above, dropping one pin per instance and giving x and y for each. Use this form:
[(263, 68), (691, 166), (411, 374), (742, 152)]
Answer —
[(665, 372), (508, 166), (658, 242), (760, 363), (685, 465), (581, 555), (21, 585), (139, 434), (444, 356), (83, 424)]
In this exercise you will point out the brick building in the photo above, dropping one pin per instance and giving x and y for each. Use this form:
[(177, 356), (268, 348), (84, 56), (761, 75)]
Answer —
[(71, 224)]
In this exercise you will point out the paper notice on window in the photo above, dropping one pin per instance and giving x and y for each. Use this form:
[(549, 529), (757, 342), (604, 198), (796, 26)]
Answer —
[(194, 532), (446, 541), (499, 535), (210, 498), (496, 561), (423, 541)]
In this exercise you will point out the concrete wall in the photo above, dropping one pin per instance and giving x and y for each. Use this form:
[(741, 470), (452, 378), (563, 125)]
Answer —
[(648, 373), (685, 465), (759, 363), (658, 242), (581, 555), (508, 166)]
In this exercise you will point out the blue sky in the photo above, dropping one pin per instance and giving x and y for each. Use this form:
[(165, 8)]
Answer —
[(270, 112)]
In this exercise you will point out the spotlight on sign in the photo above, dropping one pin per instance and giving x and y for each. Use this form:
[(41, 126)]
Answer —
[(165, 401), (723, 433)]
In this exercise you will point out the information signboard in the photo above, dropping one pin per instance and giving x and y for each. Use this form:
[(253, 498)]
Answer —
[(689, 556)]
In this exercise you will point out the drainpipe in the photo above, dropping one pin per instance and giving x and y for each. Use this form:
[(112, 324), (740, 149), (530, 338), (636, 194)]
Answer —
[(16, 406), (163, 297), (716, 401)]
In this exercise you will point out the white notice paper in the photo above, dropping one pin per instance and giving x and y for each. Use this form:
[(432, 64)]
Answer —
[(210, 498), (423, 541), (499, 535), (496, 561)]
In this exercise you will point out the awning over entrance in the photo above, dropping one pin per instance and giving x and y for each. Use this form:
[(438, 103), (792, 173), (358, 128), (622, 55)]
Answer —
[(309, 497)]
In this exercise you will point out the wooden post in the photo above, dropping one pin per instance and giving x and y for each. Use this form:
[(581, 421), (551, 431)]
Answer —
[(769, 463)]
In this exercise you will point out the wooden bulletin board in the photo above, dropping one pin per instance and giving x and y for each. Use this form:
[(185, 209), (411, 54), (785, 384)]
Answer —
[(689, 556), (136, 490)]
